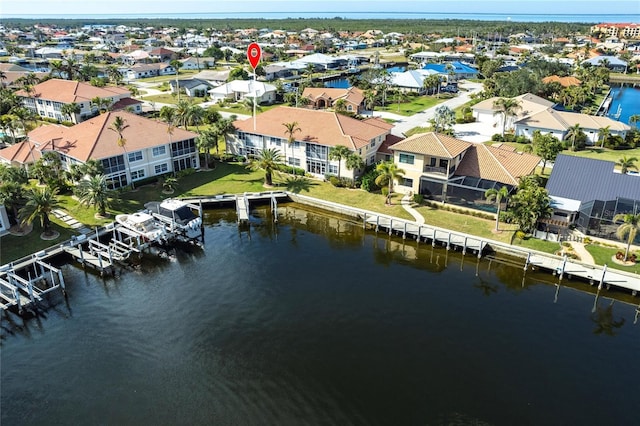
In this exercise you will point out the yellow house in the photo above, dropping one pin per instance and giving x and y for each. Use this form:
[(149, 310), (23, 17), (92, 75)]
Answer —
[(447, 169)]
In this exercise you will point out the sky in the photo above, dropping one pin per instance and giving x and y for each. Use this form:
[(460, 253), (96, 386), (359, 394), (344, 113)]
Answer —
[(141, 7)]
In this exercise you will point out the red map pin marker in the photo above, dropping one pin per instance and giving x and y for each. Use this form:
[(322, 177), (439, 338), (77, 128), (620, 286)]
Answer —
[(253, 54)]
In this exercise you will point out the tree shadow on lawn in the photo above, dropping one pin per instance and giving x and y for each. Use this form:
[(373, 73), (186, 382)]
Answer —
[(298, 184)]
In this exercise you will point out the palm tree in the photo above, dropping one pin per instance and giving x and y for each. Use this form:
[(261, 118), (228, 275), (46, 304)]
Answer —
[(604, 133), (118, 126), (12, 196), (506, 107), (291, 128), (339, 152), (207, 139), (39, 205), (627, 163), (629, 228), (222, 127), (94, 192), (269, 160), (70, 110), (388, 173), (634, 120), (498, 195), (114, 74), (170, 184), (573, 133), (370, 100), (183, 112), (340, 106), (354, 162)]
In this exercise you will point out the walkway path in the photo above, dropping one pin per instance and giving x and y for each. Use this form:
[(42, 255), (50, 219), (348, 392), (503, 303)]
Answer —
[(406, 204), (70, 221), (582, 252)]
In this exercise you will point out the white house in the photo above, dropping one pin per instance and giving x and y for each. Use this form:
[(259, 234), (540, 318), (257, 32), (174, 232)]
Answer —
[(237, 90)]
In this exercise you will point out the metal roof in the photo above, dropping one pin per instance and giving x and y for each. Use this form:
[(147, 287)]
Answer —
[(586, 179)]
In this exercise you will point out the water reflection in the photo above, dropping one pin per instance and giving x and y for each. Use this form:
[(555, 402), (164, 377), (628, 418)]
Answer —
[(604, 320)]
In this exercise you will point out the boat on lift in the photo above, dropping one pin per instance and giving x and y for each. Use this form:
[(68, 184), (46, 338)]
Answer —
[(144, 225), (177, 216)]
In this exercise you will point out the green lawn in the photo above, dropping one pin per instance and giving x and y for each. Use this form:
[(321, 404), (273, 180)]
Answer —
[(539, 245), (416, 104), (605, 154), (169, 98), (603, 255), (13, 247)]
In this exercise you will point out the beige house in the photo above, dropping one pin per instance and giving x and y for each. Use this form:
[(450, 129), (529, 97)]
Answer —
[(320, 131), (149, 150), (558, 123), (322, 98), (529, 104), (47, 98), (447, 169)]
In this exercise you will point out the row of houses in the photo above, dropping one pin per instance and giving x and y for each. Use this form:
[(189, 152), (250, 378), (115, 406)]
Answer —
[(440, 167)]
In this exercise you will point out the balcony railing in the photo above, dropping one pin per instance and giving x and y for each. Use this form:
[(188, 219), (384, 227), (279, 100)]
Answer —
[(439, 170)]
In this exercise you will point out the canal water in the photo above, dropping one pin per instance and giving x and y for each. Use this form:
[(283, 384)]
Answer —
[(626, 100), (315, 321), (343, 83)]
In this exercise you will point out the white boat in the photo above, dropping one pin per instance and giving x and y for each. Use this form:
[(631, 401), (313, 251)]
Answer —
[(142, 224), (177, 216)]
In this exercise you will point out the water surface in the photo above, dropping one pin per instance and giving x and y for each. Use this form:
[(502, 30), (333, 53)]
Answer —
[(313, 321)]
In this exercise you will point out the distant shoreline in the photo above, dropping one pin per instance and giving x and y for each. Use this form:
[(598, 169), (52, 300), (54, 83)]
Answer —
[(337, 15)]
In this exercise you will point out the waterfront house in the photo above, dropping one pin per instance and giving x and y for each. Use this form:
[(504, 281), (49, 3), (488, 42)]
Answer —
[(558, 124), (454, 71), (150, 150), (448, 169), (588, 193), (47, 98), (486, 112), (322, 98), (320, 131)]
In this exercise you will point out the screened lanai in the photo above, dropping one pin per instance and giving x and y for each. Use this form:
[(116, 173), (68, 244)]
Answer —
[(596, 217), (464, 191)]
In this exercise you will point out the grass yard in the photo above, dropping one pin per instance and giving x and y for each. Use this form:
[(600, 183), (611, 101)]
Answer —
[(416, 105), (13, 247), (602, 255), (605, 154)]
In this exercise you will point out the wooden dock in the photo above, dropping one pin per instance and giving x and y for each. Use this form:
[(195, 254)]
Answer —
[(242, 202), (242, 208)]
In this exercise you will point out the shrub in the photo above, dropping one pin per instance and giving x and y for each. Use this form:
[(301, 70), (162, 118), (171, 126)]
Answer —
[(520, 235), (497, 137), (385, 191), (587, 240), (335, 181), (418, 198)]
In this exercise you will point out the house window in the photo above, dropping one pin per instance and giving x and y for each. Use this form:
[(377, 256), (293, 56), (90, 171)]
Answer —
[(137, 174), (432, 162), (316, 167), (294, 161), (407, 182), (349, 108), (159, 150), (161, 168), (333, 169), (406, 158), (444, 163), (135, 156), (373, 143)]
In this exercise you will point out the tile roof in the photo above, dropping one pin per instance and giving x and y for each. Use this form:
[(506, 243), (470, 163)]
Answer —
[(433, 144), (570, 173), (529, 104), (93, 139), (21, 152), (319, 127), (563, 120), (499, 164), (564, 81), (352, 94), (68, 91)]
